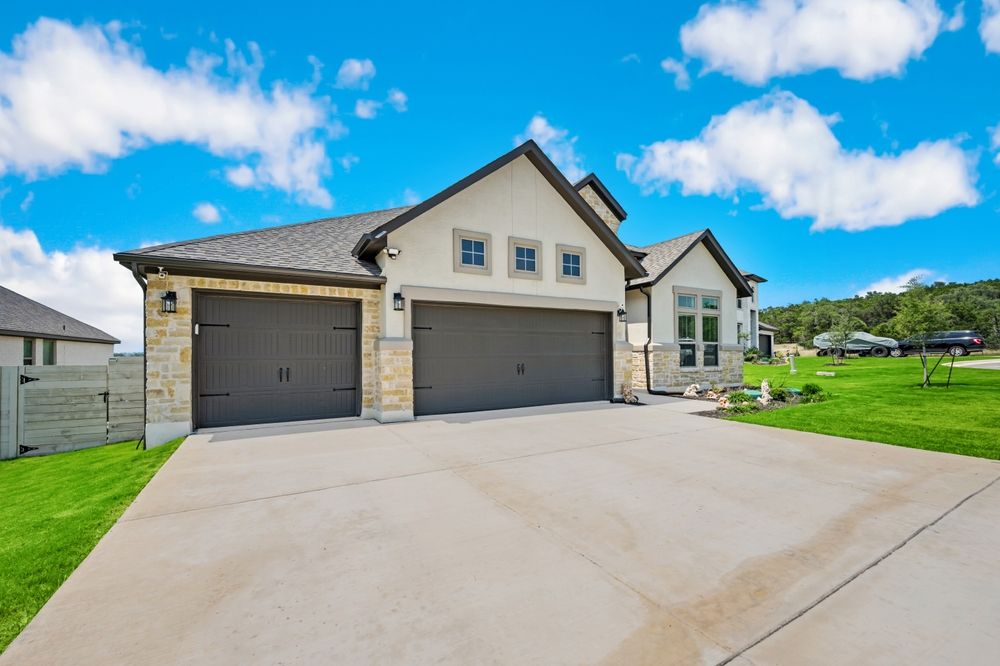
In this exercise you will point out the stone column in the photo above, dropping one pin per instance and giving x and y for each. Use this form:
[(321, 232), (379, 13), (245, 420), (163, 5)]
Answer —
[(394, 385)]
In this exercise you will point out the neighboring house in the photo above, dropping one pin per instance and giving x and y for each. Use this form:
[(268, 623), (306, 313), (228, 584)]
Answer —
[(503, 290), (765, 338), (684, 319), (35, 334), (747, 309)]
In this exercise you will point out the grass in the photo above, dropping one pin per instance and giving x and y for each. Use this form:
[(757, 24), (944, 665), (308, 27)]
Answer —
[(881, 400), (55, 510)]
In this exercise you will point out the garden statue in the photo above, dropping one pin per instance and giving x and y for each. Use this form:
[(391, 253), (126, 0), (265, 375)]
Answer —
[(692, 391)]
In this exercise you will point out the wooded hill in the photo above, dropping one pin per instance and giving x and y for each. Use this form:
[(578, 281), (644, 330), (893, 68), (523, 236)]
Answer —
[(920, 308)]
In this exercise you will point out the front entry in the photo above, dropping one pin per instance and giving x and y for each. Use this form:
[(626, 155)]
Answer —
[(266, 360), (469, 358)]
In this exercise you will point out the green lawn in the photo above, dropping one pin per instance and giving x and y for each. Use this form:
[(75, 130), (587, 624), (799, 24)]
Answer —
[(881, 400), (55, 509)]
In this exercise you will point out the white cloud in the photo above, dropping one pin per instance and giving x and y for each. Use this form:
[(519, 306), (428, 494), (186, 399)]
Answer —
[(862, 39), (26, 203), (367, 109), (989, 26), (897, 284), (206, 213), (631, 57), (682, 80), (78, 96), (241, 176), (782, 147), (69, 281), (957, 19), (410, 197), (557, 144), (397, 99), (348, 161), (354, 73)]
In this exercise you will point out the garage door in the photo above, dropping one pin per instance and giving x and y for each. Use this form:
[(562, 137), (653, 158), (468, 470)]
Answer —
[(467, 358), (264, 360)]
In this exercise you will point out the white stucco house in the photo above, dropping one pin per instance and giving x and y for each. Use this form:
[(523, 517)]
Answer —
[(506, 289), (35, 334)]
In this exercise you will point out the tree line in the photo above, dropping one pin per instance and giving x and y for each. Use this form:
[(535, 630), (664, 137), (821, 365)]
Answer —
[(919, 308)]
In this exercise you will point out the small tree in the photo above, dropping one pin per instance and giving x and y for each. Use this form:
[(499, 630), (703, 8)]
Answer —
[(842, 329), (920, 314)]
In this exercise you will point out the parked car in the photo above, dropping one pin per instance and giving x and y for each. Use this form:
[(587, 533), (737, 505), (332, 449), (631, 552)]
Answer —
[(956, 343), (859, 343)]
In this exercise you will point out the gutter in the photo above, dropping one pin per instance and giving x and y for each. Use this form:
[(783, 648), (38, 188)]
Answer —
[(134, 267), (649, 339)]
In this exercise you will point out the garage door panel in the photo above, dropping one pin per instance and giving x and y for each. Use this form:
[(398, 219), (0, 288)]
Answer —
[(469, 357), (261, 360)]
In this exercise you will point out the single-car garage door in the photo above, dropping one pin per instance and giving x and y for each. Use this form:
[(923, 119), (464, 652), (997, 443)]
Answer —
[(265, 360), (467, 358)]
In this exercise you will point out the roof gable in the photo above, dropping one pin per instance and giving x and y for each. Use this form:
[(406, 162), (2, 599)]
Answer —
[(661, 257), (374, 241), (20, 315)]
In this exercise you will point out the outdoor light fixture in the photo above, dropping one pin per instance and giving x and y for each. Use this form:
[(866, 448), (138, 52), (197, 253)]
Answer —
[(622, 315), (398, 302), (168, 302)]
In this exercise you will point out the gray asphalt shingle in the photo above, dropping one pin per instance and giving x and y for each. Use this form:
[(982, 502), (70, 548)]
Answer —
[(660, 256), (19, 314)]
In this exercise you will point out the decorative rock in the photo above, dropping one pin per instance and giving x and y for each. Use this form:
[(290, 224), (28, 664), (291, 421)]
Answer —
[(723, 402), (821, 373), (692, 391), (764, 399)]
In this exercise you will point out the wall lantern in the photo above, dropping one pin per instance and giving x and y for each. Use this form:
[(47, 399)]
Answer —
[(398, 302), (168, 302), (622, 315)]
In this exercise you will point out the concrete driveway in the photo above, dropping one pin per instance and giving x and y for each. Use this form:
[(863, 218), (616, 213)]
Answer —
[(593, 534)]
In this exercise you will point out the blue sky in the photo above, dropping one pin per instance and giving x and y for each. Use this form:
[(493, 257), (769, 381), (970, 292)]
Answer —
[(853, 146)]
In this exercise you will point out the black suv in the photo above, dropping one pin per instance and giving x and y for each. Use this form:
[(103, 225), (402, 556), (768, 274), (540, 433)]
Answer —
[(956, 343)]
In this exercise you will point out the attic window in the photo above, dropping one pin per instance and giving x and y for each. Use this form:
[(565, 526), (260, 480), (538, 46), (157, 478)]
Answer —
[(571, 264), (472, 252), (524, 258)]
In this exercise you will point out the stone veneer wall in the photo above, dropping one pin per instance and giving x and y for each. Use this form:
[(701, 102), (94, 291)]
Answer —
[(169, 344), (664, 366), (622, 368), (394, 389), (590, 195)]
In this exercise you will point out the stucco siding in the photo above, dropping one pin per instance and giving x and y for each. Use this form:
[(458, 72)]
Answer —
[(10, 350), (68, 352), (514, 201)]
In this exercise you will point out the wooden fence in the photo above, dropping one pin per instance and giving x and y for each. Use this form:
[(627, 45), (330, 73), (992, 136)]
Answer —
[(54, 408)]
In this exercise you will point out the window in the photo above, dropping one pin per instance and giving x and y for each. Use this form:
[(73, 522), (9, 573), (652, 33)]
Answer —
[(29, 352), (739, 303), (571, 264), (710, 336), (709, 302), (686, 336), (524, 258), (687, 301), (48, 352), (472, 252)]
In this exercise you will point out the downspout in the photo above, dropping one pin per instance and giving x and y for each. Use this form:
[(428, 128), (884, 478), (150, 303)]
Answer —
[(142, 283), (649, 339)]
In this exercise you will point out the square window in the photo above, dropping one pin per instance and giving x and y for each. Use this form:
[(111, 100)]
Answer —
[(473, 252), (48, 352), (688, 356), (709, 302), (711, 355), (686, 301), (571, 264), (525, 259)]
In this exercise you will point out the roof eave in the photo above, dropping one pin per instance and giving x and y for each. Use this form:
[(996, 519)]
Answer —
[(60, 336), (603, 193), (715, 248)]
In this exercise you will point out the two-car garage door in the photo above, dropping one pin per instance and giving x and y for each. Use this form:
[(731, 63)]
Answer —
[(265, 360), (468, 358)]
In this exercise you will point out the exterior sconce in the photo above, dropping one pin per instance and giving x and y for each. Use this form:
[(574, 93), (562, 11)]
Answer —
[(398, 302), (168, 302), (622, 315)]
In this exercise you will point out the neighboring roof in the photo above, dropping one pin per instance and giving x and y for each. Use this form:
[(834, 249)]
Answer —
[(661, 257), (319, 246), (374, 241), (767, 327), (19, 315), (602, 192), (753, 276)]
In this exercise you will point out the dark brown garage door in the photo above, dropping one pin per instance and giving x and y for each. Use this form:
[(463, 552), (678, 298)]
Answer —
[(264, 360), (467, 358)]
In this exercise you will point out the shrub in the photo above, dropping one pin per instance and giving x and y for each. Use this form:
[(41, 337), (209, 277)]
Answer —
[(740, 398), (814, 397), (743, 408), (780, 394), (811, 389), (751, 354)]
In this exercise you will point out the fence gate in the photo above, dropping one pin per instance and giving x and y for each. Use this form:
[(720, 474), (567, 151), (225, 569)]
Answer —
[(53, 408)]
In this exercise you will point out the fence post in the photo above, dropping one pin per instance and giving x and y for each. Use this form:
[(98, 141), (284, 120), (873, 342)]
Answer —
[(8, 412)]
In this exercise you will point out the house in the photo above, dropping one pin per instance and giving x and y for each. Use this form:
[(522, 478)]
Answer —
[(765, 338), (751, 331), (35, 334), (506, 289), (683, 315)]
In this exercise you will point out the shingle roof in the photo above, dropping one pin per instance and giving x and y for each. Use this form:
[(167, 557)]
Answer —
[(19, 315), (321, 245), (661, 256)]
